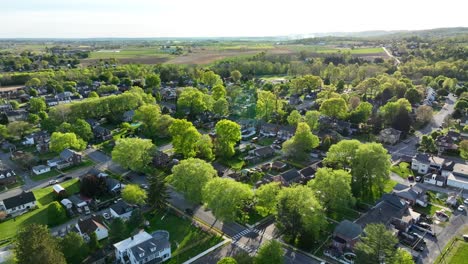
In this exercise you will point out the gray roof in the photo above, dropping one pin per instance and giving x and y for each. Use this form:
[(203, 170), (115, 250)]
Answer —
[(20, 199), (290, 175), (264, 151), (348, 229), (145, 247), (121, 207), (67, 153)]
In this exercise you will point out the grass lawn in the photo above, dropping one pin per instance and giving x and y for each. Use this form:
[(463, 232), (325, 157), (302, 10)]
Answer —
[(430, 210), (186, 240), (19, 182), (403, 170), (236, 163), (44, 197), (84, 163), (454, 254), (265, 141), (47, 175), (436, 198)]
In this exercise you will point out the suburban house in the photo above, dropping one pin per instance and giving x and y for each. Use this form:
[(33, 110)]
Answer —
[(308, 173), (445, 142), (413, 194), (459, 176), (278, 165), (40, 169), (66, 159), (391, 210), (17, 115), (435, 179), (288, 177), (268, 130), (421, 163), (94, 224), (7, 176), (264, 152), (144, 248), (286, 132), (40, 139), (121, 209), (18, 203), (346, 235), (389, 136), (113, 185), (101, 133)]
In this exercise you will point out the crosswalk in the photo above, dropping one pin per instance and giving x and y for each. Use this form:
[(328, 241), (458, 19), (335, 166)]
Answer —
[(254, 230)]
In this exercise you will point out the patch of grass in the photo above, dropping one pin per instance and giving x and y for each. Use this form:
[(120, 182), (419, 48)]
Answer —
[(186, 240), (46, 195), (84, 163), (403, 170), (436, 198), (456, 252), (265, 141), (388, 187), (47, 175), (430, 209)]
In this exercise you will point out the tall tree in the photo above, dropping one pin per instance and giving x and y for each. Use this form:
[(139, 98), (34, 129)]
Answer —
[(37, 104), (205, 148), (294, 118), (312, 119), (190, 176), (18, 129), (218, 92), (265, 198), (74, 248), (226, 198), (228, 133), (236, 75), (270, 252), (82, 129), (60, 141), (158, 194), (133, 153), (335, 108), (267, 104), (221, 107), (299, 213), (133, 194), (194, 101), (402, 257), (428, 144), (424, 114), (362, 113), (117, 230), (413, 96), (34, 244), (332, 188), (184, 137), (301, 143), (464, 149), (377, 246)]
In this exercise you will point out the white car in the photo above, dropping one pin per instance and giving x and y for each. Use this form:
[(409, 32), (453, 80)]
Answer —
[(466, 201), (52, 182), (461, 208), (106, 216)]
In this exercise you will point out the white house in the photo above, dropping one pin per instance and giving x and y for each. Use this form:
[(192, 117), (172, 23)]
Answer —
[(144, 248), (436, 179), (92, 225), (40, 169), (18, 203), (121, 209), (459, 176), (422, 162)]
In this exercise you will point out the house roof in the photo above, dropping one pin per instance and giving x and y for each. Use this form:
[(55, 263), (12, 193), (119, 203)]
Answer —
[(389, 207), (348, 229), (20, 199), (121, 207), (143, 240), (390, 131), (278, 164), (6, 171), (264, 151), (58, 188), (40, 167), (143, 249), (307, 171), (111, 183), (426, 158), (67, 153), (411, 192), (88, 226), (290, 175), (460, 169)]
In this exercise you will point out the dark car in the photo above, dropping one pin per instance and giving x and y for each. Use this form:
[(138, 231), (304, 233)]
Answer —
[(411, 178), (67, 178), (60, 176), (188, 211)]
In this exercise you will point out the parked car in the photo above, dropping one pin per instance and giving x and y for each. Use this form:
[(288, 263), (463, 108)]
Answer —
[(461, 208), (411, 178), (87, 211), (60, 176), (67, 178), (255, 139), (418, 178), (465, 201), (424, 225), (106, 216), (442, 214), (465, 237), (52, 182)]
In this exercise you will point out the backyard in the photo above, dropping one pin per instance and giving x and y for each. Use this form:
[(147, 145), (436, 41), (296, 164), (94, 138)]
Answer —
[(186, 240), (403, 170), (44, 197)]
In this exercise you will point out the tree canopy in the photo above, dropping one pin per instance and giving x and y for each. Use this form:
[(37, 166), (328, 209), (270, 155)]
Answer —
[(301, 143), (133, 153), (133, 194), (228, 133), (60, 141), (184, 137)]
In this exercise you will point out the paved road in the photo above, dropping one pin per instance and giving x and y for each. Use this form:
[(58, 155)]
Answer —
[(397, 61)]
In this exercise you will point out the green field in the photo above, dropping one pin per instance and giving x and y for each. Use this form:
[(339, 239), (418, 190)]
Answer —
[(332, 49), (456, 253), (129, 53), (44, 197), (186, 240)]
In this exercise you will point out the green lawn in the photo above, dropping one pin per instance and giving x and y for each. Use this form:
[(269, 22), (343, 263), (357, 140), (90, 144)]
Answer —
[(430, 210), (44, 197), (186, 240), (403, 170), (436, 198), (454, 254), (265, 141), (84, 163), (47, 175)]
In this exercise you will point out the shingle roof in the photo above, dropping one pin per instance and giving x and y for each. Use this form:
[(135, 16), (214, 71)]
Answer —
[(90, 225), (20, 199), (121, 207), (348, 229), (290, 175)]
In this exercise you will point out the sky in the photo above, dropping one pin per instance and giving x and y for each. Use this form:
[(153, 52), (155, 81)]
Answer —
[(220, 18)]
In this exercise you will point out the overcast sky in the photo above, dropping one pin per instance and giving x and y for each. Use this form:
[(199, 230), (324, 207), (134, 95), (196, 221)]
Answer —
[(216, 18)]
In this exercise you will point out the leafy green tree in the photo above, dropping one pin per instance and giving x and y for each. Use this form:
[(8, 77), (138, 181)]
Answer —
[(33, 119), (294, 118), (190, 176), (335, 108), (14, 104), (341, 155), (37, 104), (228, 133), (152, 81), (362, 113), (158, 194), (60, 141), (299, 213), (227, 260), (133, 194), (376, 246), (136, 218), (93, 241), (221, 107), (74, 248), (133, 153), (402, 257), (3, 132), (211, 79), (18, 129), (82, 129), (267, 104), (236, 75), (184, 137), (218, 92), (117, 230), (428, 144), (332, 188), (312, 119), (33, 82), (56, 214), (93, 94), (265, 198), (205, 148), (226, 197), (390, 110), (301, 143), (34, 244), (464, 149), (154, 124), (270, 252), (413, 96), (194, 101)]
